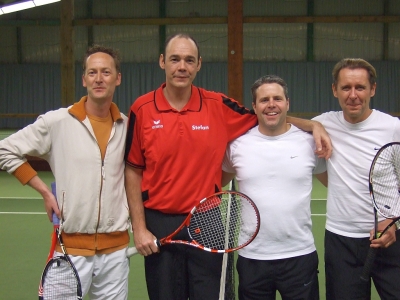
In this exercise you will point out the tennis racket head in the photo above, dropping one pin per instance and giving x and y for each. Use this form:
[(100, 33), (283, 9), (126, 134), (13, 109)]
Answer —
[(384, 186), (217, 223), (384, 180), (60, 280)]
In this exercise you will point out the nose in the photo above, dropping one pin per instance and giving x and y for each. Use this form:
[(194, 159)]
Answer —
[(181, 64), (271, 102), (98, 77), (353, 93)]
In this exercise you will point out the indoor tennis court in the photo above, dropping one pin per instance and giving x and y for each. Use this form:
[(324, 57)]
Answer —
[(25, 240)]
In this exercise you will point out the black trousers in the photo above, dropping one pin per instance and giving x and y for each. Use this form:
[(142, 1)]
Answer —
[(344, 262), (294, 278), (179, 272)]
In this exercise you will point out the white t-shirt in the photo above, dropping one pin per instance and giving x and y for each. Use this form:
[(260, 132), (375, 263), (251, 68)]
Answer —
[(349, 206), (276, 173)]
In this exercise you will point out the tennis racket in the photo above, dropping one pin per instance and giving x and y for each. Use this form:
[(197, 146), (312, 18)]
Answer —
[(59, 280), (56, 225), (215, 224), (384, 187)]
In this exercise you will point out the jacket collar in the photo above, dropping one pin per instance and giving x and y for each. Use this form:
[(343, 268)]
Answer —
[(78, 110)]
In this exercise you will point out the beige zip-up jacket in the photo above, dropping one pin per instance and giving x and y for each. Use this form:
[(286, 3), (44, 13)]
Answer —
[(90, 191)]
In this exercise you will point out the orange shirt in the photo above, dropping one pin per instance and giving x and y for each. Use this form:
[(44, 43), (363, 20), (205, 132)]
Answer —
[(181, 152)]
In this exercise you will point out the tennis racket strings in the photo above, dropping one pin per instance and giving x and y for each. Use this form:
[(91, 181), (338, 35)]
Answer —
[(217, 222), (385, 181), (384, 186), (61, 282)]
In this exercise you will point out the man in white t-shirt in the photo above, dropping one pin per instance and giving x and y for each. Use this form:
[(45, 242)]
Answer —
[(274, 163), (357, 132)]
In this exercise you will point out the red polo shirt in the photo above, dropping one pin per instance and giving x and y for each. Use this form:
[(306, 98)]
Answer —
[(181, 152)]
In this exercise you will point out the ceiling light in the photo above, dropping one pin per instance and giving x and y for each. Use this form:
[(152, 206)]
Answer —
[(44, 2), (17, 6), (24, 5)]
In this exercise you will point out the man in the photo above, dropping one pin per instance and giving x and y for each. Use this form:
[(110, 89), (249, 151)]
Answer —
[(176, 140), (357, 132), (84, 145), (274, 164)]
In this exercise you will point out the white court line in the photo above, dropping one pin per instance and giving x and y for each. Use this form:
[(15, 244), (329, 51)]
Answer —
[(43, 213), (21, 213), (23, 198)]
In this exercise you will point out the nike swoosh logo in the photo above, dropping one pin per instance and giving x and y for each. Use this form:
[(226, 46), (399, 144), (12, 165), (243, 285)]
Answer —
[(308, 283), (376, 148), (293, 156)]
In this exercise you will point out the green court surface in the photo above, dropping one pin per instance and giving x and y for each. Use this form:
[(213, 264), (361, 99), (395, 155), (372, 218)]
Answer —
[(25, 240)]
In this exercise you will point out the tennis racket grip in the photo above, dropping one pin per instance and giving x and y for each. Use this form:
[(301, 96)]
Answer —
[(131, 251), (56, 220), (365, 276)]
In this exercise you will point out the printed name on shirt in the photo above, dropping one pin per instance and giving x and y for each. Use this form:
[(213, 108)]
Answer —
[(157, 124), (200, 127)]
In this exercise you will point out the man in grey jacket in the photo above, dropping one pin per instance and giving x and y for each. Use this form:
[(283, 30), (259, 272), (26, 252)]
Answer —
[(84, 145)]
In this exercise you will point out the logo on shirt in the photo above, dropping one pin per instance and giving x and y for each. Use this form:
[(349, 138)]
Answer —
[(157, 124), (200, 127)]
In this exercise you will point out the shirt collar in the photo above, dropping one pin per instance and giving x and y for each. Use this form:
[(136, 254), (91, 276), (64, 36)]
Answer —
[(162, 104)]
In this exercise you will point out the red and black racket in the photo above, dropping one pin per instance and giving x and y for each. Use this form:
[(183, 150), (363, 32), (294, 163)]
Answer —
[(384, 187), (216, 224)]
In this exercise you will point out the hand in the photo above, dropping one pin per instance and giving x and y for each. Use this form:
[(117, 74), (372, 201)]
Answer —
[(385, 240), (144, 242), (50, 204), (323, 142)]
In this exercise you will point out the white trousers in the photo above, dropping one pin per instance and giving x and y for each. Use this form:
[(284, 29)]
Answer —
[(103, 276)]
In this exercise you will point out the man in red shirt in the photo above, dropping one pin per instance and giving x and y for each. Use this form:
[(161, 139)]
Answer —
[(176, 141)]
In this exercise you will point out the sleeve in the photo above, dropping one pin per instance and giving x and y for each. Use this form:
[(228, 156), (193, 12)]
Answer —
[(33, 140), (319, 118), (24, 173), (396, 137), (320, 165), (133, 150), (238, 118)]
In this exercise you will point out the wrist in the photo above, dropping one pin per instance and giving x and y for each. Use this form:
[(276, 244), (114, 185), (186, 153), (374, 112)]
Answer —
[(397, 224)]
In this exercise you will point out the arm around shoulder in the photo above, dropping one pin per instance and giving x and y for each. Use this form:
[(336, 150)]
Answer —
[(322, 140)]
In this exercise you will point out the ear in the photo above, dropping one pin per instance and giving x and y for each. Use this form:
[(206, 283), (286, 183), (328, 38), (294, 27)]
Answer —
[(253, 105), (161, 61), (199, 64), (334, 90), (83, 80), (287, 103), (119, 78), (373, 89)]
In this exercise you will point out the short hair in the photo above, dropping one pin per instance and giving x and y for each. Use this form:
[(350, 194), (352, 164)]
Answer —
[(268, 79), (181, 35), (114, 53), (354, 63)]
